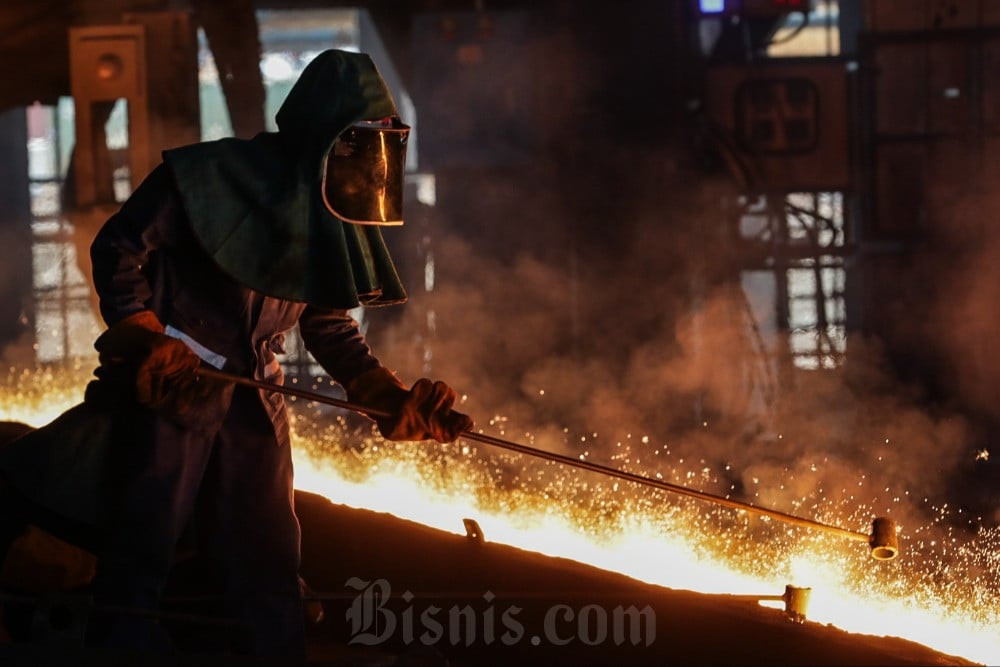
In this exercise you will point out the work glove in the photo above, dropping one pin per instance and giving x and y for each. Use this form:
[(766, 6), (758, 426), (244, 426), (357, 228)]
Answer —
[(137, 345), (139, 359), (422, 412)]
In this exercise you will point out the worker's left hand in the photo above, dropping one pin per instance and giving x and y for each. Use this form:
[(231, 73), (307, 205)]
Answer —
[(157, 362), (423, 412), (138, 359)]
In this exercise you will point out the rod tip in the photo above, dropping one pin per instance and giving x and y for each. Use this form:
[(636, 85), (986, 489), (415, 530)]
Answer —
[(796, 601), (884, 541)]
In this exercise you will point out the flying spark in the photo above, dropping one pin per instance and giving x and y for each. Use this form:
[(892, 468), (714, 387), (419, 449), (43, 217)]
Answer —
[(943, 592)]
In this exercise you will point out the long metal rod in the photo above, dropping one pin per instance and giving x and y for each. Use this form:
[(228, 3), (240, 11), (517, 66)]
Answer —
[(551, 456)]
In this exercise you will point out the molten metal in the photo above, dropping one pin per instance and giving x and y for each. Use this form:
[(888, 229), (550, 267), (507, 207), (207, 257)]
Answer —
[(945, 595)]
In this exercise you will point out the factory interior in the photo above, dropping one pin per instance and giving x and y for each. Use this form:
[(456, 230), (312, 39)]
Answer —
[(723, 270)]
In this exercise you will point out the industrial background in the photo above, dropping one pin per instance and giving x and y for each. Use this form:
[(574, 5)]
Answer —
[(764, 229)]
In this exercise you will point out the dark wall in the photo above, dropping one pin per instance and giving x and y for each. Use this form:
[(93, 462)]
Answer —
[(552, 120)]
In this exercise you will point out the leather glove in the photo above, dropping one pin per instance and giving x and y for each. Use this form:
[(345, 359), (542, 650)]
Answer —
[(422, 412), (138, 346)]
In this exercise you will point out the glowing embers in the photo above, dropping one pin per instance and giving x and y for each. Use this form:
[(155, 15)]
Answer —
[(943, 590), (675, 542), (37, 396)]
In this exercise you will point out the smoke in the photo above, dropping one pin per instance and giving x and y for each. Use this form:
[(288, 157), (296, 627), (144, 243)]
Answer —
[(591, 308), (960, 270), (629, 361)]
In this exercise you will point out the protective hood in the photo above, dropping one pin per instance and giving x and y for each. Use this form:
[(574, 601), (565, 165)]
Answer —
[(257, 205)]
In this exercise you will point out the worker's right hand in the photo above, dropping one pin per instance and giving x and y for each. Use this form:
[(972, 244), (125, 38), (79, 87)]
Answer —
[(423, 412), (137, 346), (426, 413)]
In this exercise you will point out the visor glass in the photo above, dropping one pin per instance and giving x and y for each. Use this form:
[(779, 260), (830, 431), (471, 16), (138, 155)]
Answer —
[(363, 175)]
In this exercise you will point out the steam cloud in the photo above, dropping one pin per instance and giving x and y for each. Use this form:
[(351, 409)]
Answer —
[(626, 350)]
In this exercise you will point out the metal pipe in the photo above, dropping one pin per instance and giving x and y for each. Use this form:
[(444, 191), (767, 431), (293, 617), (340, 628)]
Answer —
[(878, 542)]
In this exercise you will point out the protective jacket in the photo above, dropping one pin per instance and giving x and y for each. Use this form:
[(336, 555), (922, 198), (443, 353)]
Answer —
[(230, 244), (147, 257)]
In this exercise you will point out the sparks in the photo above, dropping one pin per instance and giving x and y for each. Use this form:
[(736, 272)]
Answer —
[(945, 592)]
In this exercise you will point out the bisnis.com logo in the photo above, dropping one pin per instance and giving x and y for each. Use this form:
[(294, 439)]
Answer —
[(373, 622)]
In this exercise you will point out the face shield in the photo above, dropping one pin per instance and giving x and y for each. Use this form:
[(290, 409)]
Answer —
[(363, 173)]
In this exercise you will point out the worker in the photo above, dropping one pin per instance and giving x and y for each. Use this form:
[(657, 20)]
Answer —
[(225, 247)]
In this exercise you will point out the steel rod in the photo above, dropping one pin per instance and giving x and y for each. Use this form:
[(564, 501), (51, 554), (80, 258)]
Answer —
[(552, 456)]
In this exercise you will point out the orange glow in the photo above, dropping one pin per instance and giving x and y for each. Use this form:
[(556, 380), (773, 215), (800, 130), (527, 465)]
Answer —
[(943, 591)]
